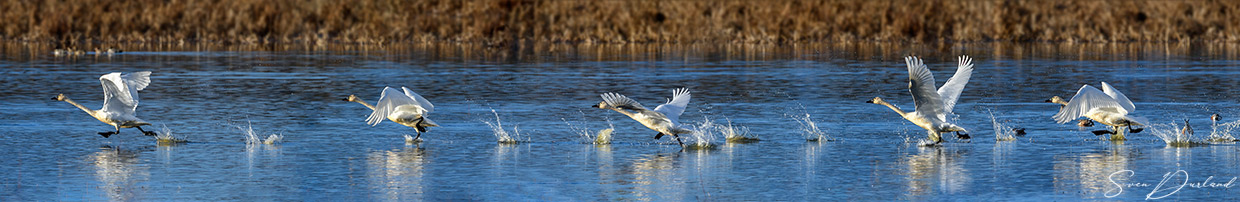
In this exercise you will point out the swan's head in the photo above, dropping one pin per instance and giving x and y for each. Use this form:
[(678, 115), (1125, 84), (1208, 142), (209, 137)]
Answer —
[(876, 100), (1056, 99), (1216, 117), (352, 98), (602, 105), (60, 97)]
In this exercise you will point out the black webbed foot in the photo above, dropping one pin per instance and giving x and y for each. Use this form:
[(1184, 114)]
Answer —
[(1135, 130), (1102, 132), (1019, 131), (963, 136), (106, 134), (657, 136), (150, 133)]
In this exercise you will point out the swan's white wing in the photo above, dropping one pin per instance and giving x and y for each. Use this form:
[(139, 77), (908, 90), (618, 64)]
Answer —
[(425, 104), (951, 90), (921, 85), (1086, 99), (388, 101), (620, 101), (1118, 96), (120, 91), (676, 106)]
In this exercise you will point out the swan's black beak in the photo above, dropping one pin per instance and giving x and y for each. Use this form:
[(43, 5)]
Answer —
[(346, 99), (1047, 101), (594, 106), (869, 101), (53, 98)]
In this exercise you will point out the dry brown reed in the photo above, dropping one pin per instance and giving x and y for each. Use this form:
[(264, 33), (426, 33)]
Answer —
[(499, 22)]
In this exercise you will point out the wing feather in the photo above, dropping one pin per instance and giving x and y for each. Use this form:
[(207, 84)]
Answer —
[(921, 85), (388, 101), (951, 90), (1118, 96), (120, 91), (1086, 99), (620, 101), (425, 104), (673, 108)]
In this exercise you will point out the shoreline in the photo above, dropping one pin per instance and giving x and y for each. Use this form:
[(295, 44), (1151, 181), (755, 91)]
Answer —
[(503, 23)]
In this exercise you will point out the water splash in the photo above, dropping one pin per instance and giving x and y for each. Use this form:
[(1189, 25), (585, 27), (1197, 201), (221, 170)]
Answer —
[(1175, 135), (599, 137), (502, 135), (809, 129), (736, 134), (1222, 132), (166, 137), (703, 134), (1002, 131), (252, 137)]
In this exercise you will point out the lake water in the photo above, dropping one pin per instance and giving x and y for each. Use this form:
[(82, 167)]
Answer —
[(542, 96)]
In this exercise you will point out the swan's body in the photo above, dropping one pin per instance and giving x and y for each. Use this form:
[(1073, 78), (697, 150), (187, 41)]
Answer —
[(1107, 106), (408, 109), (665, 118), (933, 106), (120, 100), (1059, 100)]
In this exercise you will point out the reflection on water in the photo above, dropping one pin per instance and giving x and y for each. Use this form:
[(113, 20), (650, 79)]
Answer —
[(654, 178), (935, 170), (1091, 173), (397, 175), (120, 171)]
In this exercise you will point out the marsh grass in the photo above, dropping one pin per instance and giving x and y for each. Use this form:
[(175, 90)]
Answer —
[(508, 22)]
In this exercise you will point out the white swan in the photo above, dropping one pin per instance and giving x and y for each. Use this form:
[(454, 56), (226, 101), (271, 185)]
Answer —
[(1107, 106), (665, 118), (931, 106), (407, 109), (120, 99)]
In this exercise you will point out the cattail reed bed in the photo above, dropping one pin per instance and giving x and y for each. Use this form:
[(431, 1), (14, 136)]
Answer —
[(500, 22)]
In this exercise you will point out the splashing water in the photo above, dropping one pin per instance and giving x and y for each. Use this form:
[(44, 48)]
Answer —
[(809, 129), (1002, 132), (735, 134), (600, 137), (501, 135), (252, 137), (703, 134), (1174, 135), (1222, 132), (165, 136)]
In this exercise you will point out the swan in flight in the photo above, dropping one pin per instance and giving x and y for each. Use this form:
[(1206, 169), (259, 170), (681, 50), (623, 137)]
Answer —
[(120, 99), (1107, 106), (931, 106), (665, 118), (407, 109)]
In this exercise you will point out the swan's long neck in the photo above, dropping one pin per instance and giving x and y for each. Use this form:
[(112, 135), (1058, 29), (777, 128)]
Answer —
[(622, 111), (79, 106), (372, 107), (1060, 102), (893, 107)]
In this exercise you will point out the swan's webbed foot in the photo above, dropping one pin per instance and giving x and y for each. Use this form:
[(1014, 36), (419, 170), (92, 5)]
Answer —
[(1102, 132), (657, 136), (963, 136), (1019, 131), (1136, 130), (106, 134), (150, 133)]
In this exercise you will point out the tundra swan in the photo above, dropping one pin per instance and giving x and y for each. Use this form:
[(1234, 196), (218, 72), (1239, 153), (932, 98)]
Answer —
[(407, 109), (931, 106), (665, 118), (120, 99), (1107, 106)]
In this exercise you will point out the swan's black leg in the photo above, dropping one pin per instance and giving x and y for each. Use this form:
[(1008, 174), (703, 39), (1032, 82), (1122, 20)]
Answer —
[(682, 144), (144, 132), (415, 138), (657, 136)]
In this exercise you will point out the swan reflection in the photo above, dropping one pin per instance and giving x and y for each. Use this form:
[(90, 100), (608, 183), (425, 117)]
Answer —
[(396, 175), (935, 167), (119, 173)]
